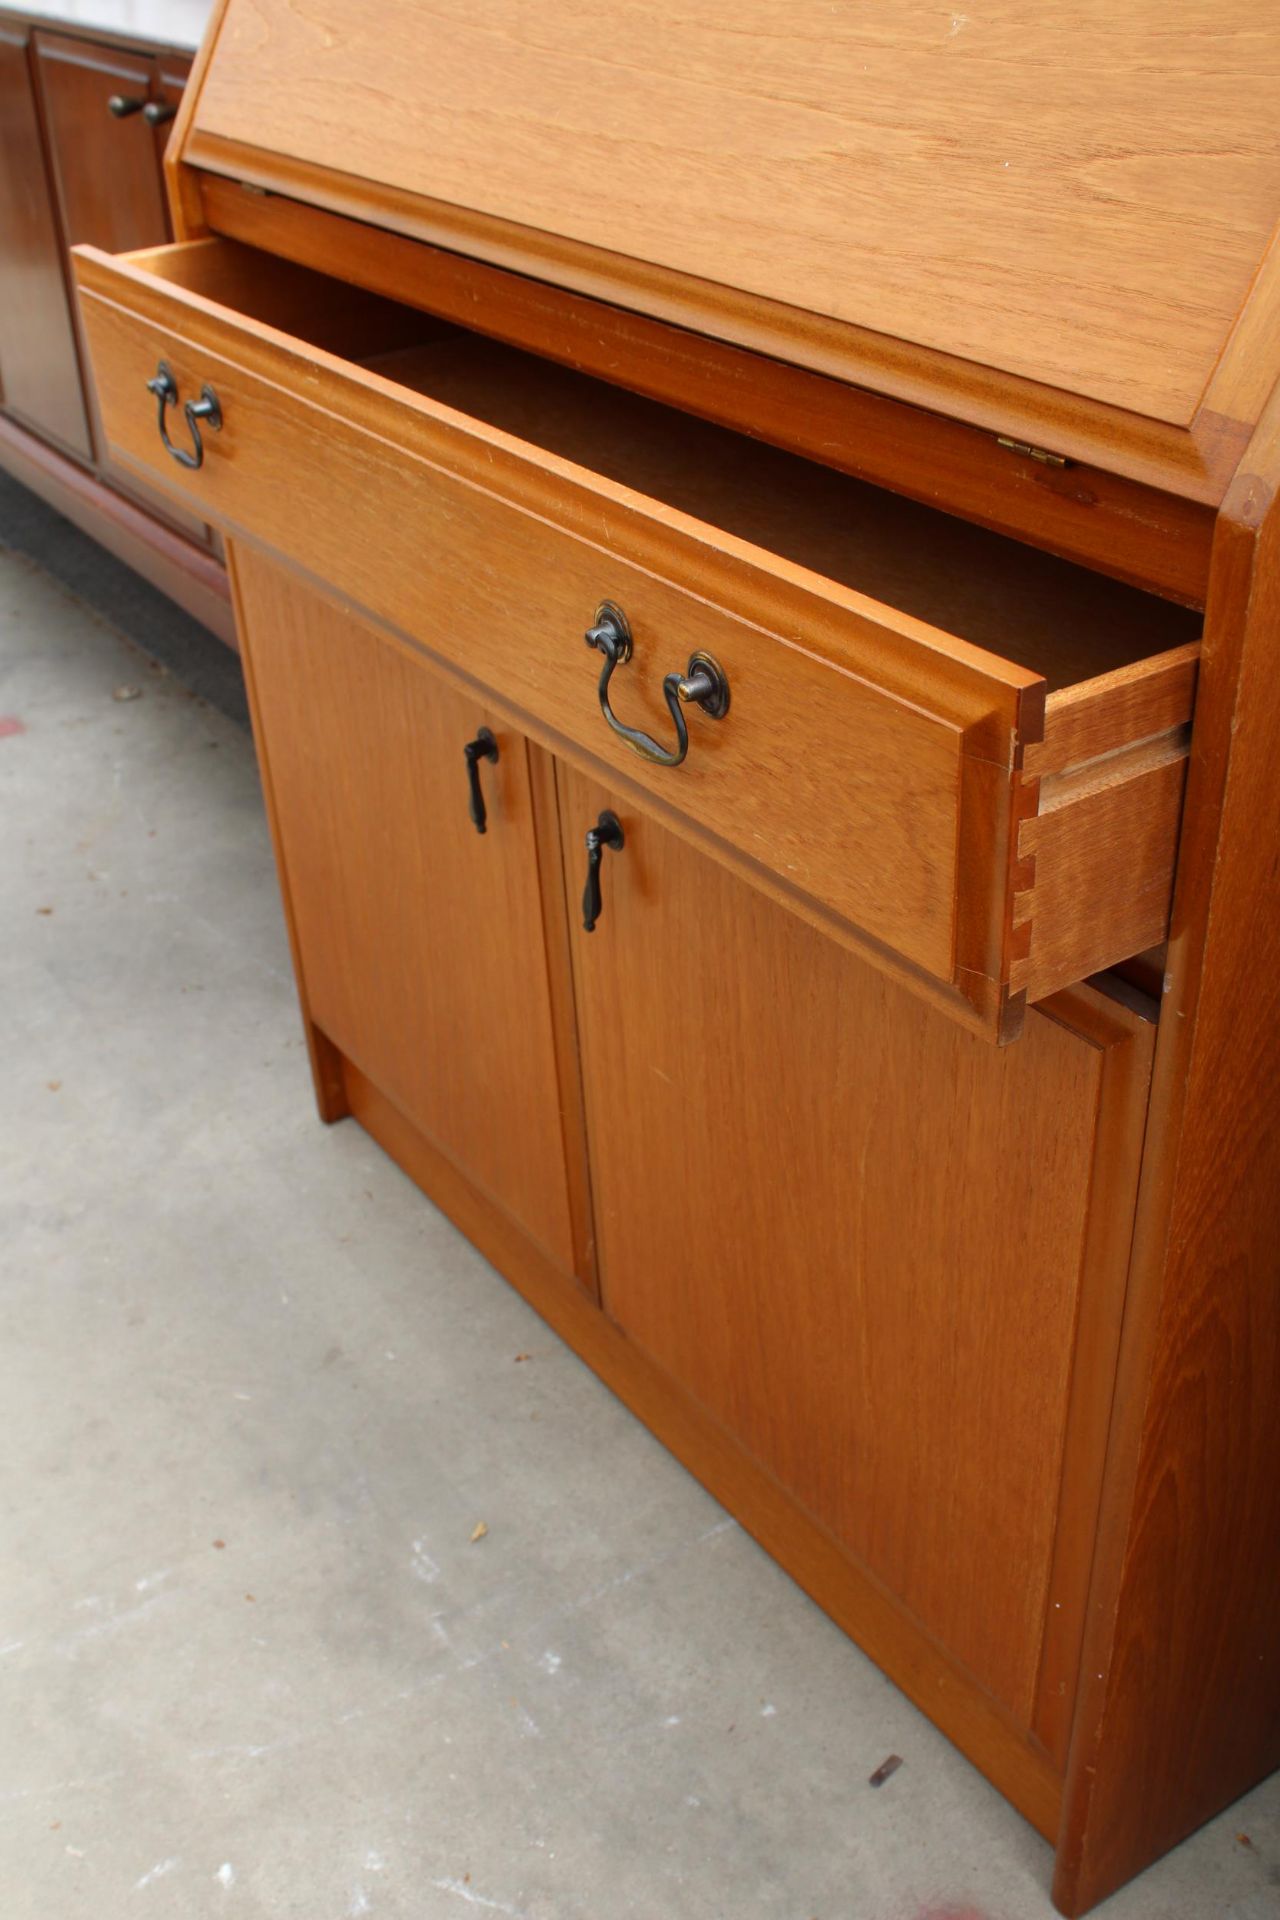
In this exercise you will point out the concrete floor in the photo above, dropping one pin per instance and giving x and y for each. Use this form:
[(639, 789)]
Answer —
[(255, 1397)]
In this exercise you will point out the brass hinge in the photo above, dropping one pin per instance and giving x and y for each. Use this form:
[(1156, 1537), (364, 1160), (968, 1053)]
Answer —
[(1025, 448)]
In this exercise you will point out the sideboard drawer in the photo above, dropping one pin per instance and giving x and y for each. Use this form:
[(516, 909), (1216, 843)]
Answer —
[(956, 754)]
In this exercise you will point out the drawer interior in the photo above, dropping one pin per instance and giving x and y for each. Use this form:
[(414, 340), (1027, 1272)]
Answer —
[(1058, 620)]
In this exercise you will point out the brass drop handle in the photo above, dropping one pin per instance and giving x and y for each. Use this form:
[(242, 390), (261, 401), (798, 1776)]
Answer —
[(607, 832), (483, 747), (206, 409), (158, 113), (121, 105), (702, 684)]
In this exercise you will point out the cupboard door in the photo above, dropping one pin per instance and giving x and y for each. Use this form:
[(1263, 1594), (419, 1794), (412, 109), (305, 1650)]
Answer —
[(420, 939), (108, 179), (169, 82), (39, 365), (104, 160), (868, 1243)]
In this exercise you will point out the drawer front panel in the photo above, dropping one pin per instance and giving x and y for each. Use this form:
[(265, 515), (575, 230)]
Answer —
[(843, 793), (869, 769)]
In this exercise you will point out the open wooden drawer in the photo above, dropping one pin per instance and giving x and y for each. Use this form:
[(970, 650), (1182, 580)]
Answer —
[(954, 752)]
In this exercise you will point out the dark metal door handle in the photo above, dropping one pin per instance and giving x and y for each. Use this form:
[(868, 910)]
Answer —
[(483, 747), (207, 409), (158, 113), (607, 832), (121, 105), (702, 684)]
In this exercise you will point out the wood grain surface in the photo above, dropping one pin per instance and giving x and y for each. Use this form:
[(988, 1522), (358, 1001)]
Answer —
[(420, 941), (1010, 187), (1096, 857), (851, 1232), (1180, 1707), (39, 359)]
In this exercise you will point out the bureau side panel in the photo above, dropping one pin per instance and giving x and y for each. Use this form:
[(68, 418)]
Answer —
[(1180, 1706)]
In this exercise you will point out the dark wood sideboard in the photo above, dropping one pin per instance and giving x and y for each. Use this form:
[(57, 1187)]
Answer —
[(841, 994), (86, 108)]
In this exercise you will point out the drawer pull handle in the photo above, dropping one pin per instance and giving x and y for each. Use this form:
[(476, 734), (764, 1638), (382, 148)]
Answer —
[(121, 105), (158, 113), (206, 408), (607, 832), (483, 747), (702, 684)]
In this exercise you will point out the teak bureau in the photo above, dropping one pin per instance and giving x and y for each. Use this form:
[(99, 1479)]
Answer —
[(842, 993)]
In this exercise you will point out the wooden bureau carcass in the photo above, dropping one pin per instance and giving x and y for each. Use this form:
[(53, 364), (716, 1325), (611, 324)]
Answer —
[(839, 995)]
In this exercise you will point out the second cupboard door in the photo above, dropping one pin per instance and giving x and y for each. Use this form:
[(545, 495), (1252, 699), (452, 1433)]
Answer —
[(869, 1244), (420, 939)]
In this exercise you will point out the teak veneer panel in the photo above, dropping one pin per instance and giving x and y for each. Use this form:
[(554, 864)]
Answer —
[(1082, 199), (420, 941), (857, 1236), (1180, 1703)]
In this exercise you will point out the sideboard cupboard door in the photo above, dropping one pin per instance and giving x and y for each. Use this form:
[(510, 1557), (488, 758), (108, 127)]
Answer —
[(419, 940), (869, 1245), (108, 180), (39, 365), (104, 158)]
